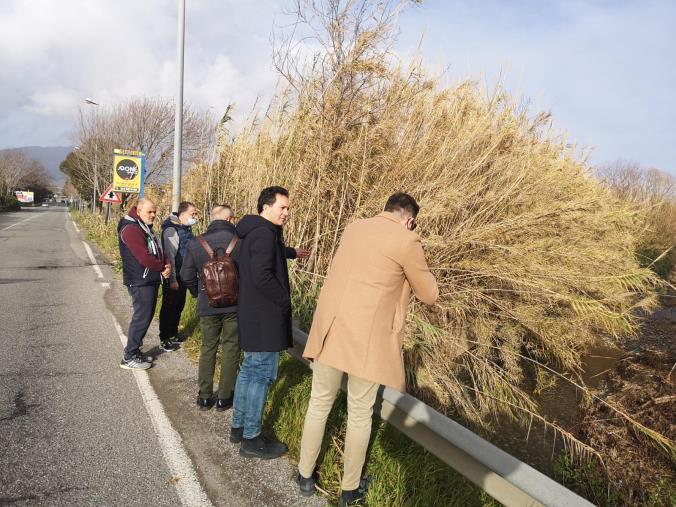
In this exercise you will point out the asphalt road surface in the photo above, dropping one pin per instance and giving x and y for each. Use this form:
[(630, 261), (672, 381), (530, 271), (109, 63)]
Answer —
[(75, 429)]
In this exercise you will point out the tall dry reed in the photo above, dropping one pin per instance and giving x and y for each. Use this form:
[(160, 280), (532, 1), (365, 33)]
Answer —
[(535, 260)]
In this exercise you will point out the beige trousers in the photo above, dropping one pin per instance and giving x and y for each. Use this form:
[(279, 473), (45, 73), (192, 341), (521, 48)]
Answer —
[(361, 396)]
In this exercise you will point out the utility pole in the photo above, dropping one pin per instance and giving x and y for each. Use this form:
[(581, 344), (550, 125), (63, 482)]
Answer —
[(91, 102), (178, 116), (96, 178)]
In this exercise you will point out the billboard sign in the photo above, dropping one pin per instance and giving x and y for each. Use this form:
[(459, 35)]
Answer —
[(24, 197), (128, 171)]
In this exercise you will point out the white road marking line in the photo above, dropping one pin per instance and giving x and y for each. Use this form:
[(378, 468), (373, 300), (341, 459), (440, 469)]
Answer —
[(105, 284), (189, 490), (77, 229), (91, 257), (22, 221)]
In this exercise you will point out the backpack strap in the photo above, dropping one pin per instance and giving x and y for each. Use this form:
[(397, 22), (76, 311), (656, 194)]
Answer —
[(231, 246), (206, 246)]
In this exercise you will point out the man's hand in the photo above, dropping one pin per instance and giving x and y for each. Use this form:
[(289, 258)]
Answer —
[(173, 285), (167, 271), (301, 253)]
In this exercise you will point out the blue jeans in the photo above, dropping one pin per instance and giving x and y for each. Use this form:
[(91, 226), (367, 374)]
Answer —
[(258, 371)]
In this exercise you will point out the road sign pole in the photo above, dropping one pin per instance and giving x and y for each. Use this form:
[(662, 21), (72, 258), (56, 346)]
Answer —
[(178, 116)]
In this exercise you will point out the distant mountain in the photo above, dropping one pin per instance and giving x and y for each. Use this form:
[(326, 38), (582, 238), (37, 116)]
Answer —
[(50, 157)]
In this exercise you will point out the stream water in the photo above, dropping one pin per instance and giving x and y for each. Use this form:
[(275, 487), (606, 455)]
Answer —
[(538, 447)]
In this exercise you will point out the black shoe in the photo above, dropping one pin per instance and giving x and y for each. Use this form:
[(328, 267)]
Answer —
[(236, 435), (145, 356), (307, 486), (224, 404), (355, 496), (169, 346), (352, 497), (205, 403), (262, 447)]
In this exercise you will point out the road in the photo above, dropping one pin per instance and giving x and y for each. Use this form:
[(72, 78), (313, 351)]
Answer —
[(72, 430), (75, 429)]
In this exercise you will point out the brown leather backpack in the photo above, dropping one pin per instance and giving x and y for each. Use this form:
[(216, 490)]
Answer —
[(219, 275)]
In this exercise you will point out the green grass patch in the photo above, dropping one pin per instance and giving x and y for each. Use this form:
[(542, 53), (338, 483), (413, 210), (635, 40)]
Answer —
[(402, 472)]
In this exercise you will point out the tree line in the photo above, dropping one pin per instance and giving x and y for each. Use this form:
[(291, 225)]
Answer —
[(18, 171), (141, 124)]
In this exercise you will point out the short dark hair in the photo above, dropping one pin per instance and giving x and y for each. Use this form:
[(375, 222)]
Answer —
[(269, 196), (184, 206), (401, 201)]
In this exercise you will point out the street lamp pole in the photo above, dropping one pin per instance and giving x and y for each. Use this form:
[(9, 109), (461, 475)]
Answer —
[(178, 116), (96, 176)]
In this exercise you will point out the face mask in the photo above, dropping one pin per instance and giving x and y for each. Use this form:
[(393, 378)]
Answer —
[(191, 221)]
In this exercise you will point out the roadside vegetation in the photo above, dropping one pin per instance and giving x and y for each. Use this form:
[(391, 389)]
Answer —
[(538, 257), (9, 203), (20, 172)]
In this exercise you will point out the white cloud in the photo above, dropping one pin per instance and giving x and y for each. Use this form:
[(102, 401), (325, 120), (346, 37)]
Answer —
[(53, 54), (603, 68), (54, 101)]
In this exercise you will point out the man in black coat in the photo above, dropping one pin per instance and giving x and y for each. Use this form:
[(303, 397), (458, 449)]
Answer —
[(218, 325), (263, 316)]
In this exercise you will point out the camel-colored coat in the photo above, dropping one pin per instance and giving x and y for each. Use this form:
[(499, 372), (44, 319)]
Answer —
[(358, 326)]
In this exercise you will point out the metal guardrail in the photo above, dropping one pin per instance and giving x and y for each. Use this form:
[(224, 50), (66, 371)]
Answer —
[(501, 475)]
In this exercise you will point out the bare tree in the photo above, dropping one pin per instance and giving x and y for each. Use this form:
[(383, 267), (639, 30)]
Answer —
[(18, 169), (141, 124), (354, 39)]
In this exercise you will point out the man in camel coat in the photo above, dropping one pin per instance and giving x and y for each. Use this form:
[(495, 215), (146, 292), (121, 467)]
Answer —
[(358, 329)]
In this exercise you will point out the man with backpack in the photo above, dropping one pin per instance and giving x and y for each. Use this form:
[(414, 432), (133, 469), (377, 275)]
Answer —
[(263, 317), (206, 274)]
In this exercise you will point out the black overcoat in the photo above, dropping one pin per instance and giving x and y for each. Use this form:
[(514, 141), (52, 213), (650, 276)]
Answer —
[(264, 303)]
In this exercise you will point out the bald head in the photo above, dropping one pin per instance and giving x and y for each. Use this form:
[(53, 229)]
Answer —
[(146, 210), (222, 212)]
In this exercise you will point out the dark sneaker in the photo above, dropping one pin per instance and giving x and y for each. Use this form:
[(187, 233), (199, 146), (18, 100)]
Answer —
[(169, 346), (205, 403), (145, 356), (236, 435), (135, 363), (307, 486), (262, 447), (179, 338), (355, 496), (224, 404)]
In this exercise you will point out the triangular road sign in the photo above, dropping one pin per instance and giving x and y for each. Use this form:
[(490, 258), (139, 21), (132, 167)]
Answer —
[(109, 196)]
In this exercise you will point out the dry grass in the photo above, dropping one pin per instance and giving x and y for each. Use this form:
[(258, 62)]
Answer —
[(652, 194), (535, 259)]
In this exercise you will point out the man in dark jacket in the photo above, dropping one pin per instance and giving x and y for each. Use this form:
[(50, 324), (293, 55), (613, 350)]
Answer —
[(217, 324), (176, 233), (263, 316), (143, 267)]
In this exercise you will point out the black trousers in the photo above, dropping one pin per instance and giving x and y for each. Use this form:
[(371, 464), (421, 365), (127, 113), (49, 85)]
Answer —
[(173, 301), (144, 300)]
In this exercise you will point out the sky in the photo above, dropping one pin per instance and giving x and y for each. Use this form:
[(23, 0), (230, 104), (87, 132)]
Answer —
[(603, 68)]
